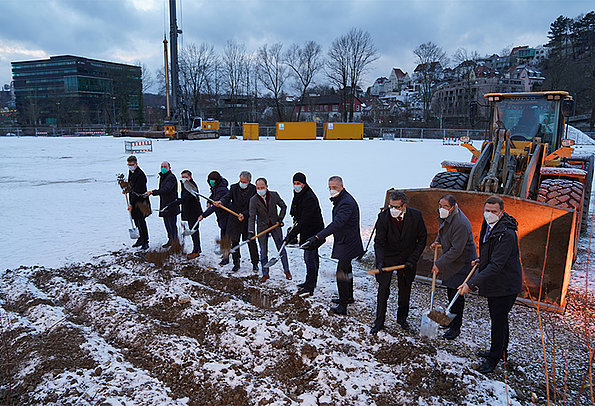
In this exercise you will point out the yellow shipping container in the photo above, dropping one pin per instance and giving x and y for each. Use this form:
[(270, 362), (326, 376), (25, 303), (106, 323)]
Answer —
[(343, 131), (296, 131), (250, 131), (210, 125)]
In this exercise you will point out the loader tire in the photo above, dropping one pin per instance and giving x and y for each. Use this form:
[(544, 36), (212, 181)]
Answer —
[(450, 180), (561, 193)]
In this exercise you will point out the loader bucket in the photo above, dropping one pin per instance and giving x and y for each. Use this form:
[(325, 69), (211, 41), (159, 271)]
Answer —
[(546, 239)]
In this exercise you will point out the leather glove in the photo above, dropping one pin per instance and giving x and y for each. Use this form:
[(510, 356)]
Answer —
[(312, 243), (409, 266), (379, 265), (251, 234), (281, 224)]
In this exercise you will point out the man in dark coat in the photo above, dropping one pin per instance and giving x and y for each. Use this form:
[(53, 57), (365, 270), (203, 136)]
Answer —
[(307, 220), (401, 237), (140, 206), (263, 214), (191, 210), (347, 243), (168, 194), (238, 200), (218, 185), (499, 276), (458, 252)]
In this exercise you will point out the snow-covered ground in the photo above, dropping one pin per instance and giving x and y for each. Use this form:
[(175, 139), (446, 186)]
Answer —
[(61, 203), (123, 331)]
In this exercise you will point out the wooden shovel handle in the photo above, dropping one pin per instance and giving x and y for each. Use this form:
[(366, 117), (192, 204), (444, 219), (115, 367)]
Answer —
[(265, 231), (387, 269), (435, 258), (470, 274), (220, 206)]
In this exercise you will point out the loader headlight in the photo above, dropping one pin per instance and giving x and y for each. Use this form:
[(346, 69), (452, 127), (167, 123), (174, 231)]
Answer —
[(465, 139), (567, 143)]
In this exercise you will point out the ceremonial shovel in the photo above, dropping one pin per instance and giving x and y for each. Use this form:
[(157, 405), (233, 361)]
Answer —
[(134, 234), (274, 260), (445, 317), (194, 191), (237, 247), (429, 328)]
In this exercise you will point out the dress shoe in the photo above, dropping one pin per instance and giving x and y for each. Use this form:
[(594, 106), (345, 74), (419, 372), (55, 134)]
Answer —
[(224, 262), (486, 354), (337, 301), (404, 325), (255, 267), (487, 367), (452, 333), (264, 278), (166, 245), (375, 329), (138, 243), (193, 255), (339, 309), (304, 292), (145, 246), (236, 267), (288, 275)]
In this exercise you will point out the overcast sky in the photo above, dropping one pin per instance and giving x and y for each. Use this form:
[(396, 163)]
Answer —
[(132, 30)]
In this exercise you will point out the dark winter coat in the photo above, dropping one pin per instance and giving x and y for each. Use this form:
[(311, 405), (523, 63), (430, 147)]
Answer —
[(458, 248), (137, 183), (345, 228), (499, 272), (168, 193), (191, 207), (394, 247), (217, 193), (306, 213), (238, 200), (263, 215)]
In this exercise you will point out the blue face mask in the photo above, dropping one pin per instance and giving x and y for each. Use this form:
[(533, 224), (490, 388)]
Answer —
[(164, 170), (212, 183), (297, 188), (131, 168)]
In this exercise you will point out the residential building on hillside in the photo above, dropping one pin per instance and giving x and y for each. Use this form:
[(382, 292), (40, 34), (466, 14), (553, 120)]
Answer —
[(326, 108)]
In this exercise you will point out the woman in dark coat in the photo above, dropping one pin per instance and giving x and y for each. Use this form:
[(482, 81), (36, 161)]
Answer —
[(218, 185)]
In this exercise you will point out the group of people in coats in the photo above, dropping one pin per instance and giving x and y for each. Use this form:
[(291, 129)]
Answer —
[(400, 239)]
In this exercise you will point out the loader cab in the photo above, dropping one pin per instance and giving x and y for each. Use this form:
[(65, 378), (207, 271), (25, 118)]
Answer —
[(530, 116)]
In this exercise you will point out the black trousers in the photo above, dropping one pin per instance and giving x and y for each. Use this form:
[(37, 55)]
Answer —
[(171, 227), (234, 234), (344, 281), (499, 308), (312, 261), (404, 283), (141, 224), (195, 236), (457, 308)]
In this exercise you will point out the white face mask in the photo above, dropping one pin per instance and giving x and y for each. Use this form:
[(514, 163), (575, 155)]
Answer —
[(334, 193), (261, 192), (491, 218), (443, 213), (131, 168), (395, 212), (185, 179), (243, 185), (297, 188)]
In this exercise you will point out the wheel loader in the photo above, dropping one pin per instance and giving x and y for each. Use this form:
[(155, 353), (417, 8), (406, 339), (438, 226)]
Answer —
[(528, 161)]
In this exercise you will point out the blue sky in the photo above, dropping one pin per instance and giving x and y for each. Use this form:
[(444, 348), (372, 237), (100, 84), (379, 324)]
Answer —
[(132, 30)]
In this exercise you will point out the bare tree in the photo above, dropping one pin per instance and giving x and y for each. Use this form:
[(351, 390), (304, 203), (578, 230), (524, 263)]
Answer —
[(305, 62), (272, 73), (349, 57), (363, 53), (233, 66), (197, 67), (337, 69), (146, 76), (430, 59)]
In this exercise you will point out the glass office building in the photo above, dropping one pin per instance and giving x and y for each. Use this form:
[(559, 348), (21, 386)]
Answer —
[(69, 89)]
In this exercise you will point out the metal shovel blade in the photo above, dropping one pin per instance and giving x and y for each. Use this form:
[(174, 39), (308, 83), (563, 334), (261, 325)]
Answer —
[(428, 327), (271, 262), (134, 234)]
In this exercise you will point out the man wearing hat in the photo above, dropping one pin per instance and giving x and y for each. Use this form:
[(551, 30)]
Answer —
[(307, 218)]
